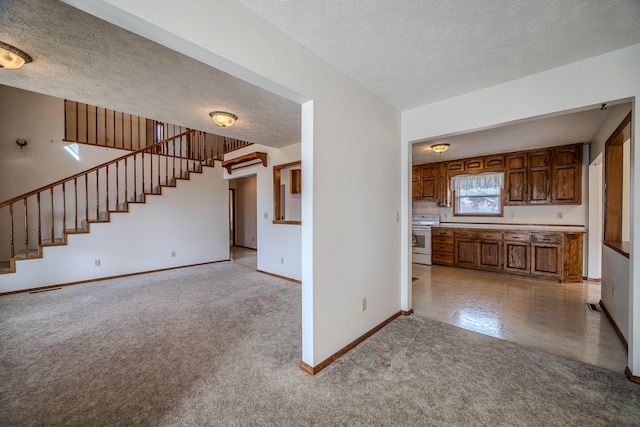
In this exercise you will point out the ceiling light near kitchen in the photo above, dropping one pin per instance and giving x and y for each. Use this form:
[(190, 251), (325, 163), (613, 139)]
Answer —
[(440, 148), (12, 57)]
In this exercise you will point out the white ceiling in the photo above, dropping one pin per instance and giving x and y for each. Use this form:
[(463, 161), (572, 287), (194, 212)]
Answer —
[(410, 53), (415, 52), (578, 127), (80, 57)]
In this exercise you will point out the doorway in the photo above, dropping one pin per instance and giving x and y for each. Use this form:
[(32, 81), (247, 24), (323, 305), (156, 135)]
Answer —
[(243, 221)]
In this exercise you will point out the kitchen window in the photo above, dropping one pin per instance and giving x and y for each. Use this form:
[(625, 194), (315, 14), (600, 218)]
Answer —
[(478, 195)]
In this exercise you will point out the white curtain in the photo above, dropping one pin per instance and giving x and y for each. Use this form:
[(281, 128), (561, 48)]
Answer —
[(481, 180)]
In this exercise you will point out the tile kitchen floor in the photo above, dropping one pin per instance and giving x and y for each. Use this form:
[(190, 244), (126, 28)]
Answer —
[(545, 315), (244, 256)]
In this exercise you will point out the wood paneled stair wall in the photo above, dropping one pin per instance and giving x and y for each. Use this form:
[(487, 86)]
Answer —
[(46, 216)]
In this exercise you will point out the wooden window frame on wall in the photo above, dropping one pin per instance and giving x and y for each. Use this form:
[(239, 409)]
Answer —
[(613, 166), (277, 173)]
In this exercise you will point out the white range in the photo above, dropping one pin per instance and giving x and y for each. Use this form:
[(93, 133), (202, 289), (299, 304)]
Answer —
[(421, 226)]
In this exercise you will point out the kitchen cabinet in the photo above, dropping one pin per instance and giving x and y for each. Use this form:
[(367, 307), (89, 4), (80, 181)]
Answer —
[(430, 182), (539, 178), (416, 182), (549, 176), (489, 250), (517, 253), (296, 181), (515, 180), (442, 246), (464, 248), (551, 255), (546, 255), (567, 175)]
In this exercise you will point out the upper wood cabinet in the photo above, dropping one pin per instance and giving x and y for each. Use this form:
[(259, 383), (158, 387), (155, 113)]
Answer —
[(567, 175), (430, 182), (416, 182), (515, 180), (537, 177)]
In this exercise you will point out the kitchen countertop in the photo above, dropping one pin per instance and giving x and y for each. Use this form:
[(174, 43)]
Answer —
[(572, 228)]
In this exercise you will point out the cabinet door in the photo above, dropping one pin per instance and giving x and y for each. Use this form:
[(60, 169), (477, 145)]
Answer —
[(516, 192), (416, 182), (430, 182), (539, 177), (567, 175), (455, 166), (546, 260), (464, 252), (474, 164), (517, 257), (443, 186), (572, 257), (490, 254), (494, 162)]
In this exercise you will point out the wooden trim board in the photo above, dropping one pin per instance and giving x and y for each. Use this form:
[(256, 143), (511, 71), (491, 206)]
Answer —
[(615, 326), (280, 277), (42, 288), (630, 376), (320, 366), (407, 313)]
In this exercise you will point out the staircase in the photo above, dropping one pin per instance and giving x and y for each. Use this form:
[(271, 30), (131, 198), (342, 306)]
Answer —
[(48, 215)]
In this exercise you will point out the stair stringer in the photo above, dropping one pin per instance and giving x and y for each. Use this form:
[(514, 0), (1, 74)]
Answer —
[(189, 218)]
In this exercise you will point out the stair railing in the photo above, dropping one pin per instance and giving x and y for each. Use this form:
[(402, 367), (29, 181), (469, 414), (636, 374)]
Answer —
[(44, 217)]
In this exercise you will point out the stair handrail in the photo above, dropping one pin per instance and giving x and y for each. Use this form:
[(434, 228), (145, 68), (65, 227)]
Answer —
[(93, 169)]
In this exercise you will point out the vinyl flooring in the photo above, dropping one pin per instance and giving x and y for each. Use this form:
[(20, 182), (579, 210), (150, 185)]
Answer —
[(545, 315)]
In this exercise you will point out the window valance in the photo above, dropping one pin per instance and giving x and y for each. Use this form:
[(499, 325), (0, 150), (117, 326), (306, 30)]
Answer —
[(481, 180)]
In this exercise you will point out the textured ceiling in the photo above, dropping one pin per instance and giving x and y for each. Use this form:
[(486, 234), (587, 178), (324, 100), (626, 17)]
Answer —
[(415, 52), (410, 53), (80, 57), (579, 127)]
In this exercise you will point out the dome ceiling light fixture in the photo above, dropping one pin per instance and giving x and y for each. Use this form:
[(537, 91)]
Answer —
[(12, 58), (440, 148), (223, 119)]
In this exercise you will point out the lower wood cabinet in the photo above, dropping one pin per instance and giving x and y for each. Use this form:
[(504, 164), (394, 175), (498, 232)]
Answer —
[(546, 255)]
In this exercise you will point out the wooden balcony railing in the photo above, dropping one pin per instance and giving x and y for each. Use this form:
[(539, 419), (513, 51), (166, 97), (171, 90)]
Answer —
[(89, 124), (46, 215)]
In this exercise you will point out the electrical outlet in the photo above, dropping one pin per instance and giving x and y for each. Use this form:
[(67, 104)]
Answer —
[(266, 215), (560, 215), (613, 293), (363, 304), (397, 216), (96, 263), (513, 214), (173, 254), (281, 260)]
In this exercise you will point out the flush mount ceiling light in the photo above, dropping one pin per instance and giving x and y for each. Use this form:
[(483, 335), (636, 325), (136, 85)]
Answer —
[(223, 119), (440, 148), (12, 57)]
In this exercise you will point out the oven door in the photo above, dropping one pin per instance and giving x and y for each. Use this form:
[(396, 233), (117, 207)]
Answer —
[(422, 245)]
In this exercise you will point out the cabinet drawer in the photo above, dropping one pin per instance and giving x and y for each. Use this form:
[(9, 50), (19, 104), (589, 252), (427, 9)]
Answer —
[(442, 240), (440, 231), (440, 258), (442, 247), (516, 237), (546, 238), (467, 234), (490, 235)]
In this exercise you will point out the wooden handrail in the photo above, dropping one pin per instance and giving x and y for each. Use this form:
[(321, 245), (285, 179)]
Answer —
[(95, 168)]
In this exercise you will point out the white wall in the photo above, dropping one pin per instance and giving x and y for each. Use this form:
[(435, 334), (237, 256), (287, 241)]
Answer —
[(579, 85), (40, 120), (350, 192), (274, 241), (246, 228), (596, 224), (615, 271), (190, 219)]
